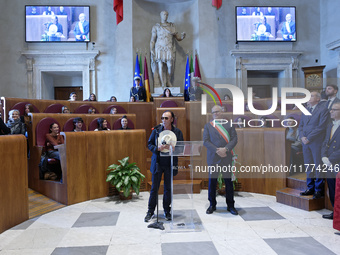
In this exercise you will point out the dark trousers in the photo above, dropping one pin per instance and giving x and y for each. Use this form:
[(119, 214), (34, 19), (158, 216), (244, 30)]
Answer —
[(229, 191), (312, 155), (156, 180), (331, 187), (296, 161)]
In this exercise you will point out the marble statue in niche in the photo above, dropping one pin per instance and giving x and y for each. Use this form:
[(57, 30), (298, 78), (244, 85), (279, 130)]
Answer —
[(163, 50)]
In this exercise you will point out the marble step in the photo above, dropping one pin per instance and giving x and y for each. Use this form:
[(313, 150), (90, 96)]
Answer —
[(297, 182), (291, 197)]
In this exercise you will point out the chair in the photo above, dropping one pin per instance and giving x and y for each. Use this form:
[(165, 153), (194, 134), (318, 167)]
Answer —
[(42, 128), (168, 103), (53, 108), (21, 107), (117, 125), (228, 107), (84, 108), (69, 127), (94, 124), (119, 108), (278, 107), (256, 105), (290, 106)]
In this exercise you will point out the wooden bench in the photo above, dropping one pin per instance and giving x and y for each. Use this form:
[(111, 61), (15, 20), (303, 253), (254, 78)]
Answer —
[(13, 181)]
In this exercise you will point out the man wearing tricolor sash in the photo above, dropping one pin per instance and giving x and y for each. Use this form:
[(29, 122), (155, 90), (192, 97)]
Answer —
[(82, 28), (220, 140)]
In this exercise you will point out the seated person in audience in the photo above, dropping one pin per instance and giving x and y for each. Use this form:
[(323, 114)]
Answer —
[(92, 97), (92, 110), (33, 11), (113, 110), (264, 122), (4, 130), (25, 118), (73, 96), (78, 124), (227, 97), (138, 91), (102, 124), (244, 11), (167, 93), (65, 109), (53, 138), (124, 122), (240, 122), (113, 99), (254, 95), (257, 12), (246, 107), (14, 123), (48, 11), (61, 11), (296, 146), (132, 99)]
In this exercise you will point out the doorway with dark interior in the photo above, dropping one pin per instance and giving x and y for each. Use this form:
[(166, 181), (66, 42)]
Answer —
[(63, 93)]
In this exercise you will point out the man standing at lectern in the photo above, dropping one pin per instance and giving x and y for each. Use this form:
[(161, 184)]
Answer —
[(220, 140), (160, 165)]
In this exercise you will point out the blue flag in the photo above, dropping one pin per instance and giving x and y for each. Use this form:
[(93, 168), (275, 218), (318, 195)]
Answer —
[(137, 73), (187, 81)]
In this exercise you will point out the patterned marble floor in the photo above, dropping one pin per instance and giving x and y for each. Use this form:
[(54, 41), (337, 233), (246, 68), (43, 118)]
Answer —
[(110, 226)]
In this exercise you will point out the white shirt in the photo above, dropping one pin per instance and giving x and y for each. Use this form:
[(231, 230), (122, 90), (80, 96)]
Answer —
[(336, 124)]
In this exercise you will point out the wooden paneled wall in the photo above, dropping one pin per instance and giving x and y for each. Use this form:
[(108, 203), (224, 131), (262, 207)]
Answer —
[(13, 181)]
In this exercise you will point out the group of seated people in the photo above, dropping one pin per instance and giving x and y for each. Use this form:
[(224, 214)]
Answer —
[(16, 123), (48, 170), (53, 171)]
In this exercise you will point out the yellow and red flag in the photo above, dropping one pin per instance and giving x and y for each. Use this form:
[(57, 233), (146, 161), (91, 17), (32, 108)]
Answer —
[(146, 81)]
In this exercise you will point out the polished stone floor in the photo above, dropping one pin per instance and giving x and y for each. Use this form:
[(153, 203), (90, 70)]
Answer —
[(110, 226)]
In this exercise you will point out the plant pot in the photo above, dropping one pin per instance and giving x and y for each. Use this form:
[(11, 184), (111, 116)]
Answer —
[(221, 191), (122, 197)]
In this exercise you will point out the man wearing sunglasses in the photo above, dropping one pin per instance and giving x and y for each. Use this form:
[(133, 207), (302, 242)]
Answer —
[(160, 165), (331, 153), (220, 140)]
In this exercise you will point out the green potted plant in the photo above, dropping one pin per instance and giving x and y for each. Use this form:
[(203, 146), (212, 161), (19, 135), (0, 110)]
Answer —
[(125, 177)]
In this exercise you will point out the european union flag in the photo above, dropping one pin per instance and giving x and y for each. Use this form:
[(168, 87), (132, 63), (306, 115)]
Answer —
[(187, 81), (137, 74)]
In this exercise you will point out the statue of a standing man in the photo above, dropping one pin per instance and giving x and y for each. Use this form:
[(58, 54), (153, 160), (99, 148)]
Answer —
[(163, 50)]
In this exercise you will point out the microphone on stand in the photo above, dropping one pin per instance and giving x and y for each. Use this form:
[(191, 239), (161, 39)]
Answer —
[(156, 127)]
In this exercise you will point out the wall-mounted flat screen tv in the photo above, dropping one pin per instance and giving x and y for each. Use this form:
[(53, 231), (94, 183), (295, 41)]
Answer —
[(265, 24), (57, 23)]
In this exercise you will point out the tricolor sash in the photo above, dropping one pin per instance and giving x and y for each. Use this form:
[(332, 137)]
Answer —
[(225, 134)]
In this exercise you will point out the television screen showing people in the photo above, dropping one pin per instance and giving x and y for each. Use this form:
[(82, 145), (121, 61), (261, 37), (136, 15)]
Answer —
[(265, 23), (57, 23)]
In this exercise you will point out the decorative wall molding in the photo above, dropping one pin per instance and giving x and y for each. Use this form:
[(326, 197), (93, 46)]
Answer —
[(38, 62), (335, 45), (286, 62)]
